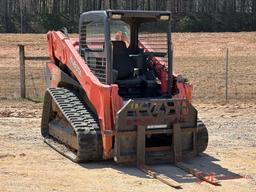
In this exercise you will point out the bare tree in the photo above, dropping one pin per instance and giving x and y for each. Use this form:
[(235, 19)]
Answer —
[(218, 10)]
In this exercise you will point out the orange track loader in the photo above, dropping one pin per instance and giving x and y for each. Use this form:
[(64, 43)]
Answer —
[(113, 93)]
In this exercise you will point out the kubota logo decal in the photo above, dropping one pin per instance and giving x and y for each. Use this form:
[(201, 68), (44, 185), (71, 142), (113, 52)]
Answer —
[(74, 65)]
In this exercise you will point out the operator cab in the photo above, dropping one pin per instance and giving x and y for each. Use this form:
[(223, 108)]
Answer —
[(125, 48)]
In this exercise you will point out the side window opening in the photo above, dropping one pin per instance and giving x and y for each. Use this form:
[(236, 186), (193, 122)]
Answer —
[(93, 48), (120, 31)]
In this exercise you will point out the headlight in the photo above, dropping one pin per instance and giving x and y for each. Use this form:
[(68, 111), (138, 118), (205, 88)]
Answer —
[(116, 16), (164, 17)]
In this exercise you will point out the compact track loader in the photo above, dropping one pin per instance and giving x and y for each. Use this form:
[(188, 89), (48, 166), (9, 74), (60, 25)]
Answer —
[(113, 93)]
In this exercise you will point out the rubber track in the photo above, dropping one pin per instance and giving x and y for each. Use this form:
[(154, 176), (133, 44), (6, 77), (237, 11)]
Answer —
[(202, 137), (82, 120)]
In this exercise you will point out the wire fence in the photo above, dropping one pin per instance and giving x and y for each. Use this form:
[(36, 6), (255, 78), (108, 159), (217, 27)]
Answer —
[(207, 73), (225, 76), (35, 74)]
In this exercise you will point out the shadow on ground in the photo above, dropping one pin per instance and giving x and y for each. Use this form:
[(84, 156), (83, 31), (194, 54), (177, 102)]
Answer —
[(204, 163)]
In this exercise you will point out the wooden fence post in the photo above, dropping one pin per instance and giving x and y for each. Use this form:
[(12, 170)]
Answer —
[(227, 74), (22, 72)]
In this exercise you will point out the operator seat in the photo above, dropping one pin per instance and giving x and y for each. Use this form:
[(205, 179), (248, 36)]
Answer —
[(121, 61), (123, 70)]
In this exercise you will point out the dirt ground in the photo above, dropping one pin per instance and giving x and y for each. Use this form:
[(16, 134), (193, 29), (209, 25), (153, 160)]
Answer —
[(28, 164)]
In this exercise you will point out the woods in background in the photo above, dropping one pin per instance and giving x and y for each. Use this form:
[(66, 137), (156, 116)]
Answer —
[(188, 15)]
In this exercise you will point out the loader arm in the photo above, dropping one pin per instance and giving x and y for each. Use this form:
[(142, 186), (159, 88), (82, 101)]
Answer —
[(184, 88)]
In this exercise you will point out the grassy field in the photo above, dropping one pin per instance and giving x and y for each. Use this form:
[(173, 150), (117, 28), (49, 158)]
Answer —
[(200, 56)]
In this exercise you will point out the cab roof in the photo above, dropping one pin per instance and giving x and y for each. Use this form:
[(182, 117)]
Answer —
[(126, 14)]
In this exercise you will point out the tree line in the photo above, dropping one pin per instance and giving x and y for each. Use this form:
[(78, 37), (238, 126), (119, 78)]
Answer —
[(188, 15)]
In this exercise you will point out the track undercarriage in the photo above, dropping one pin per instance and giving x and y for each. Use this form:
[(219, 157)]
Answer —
[(69, 127)]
